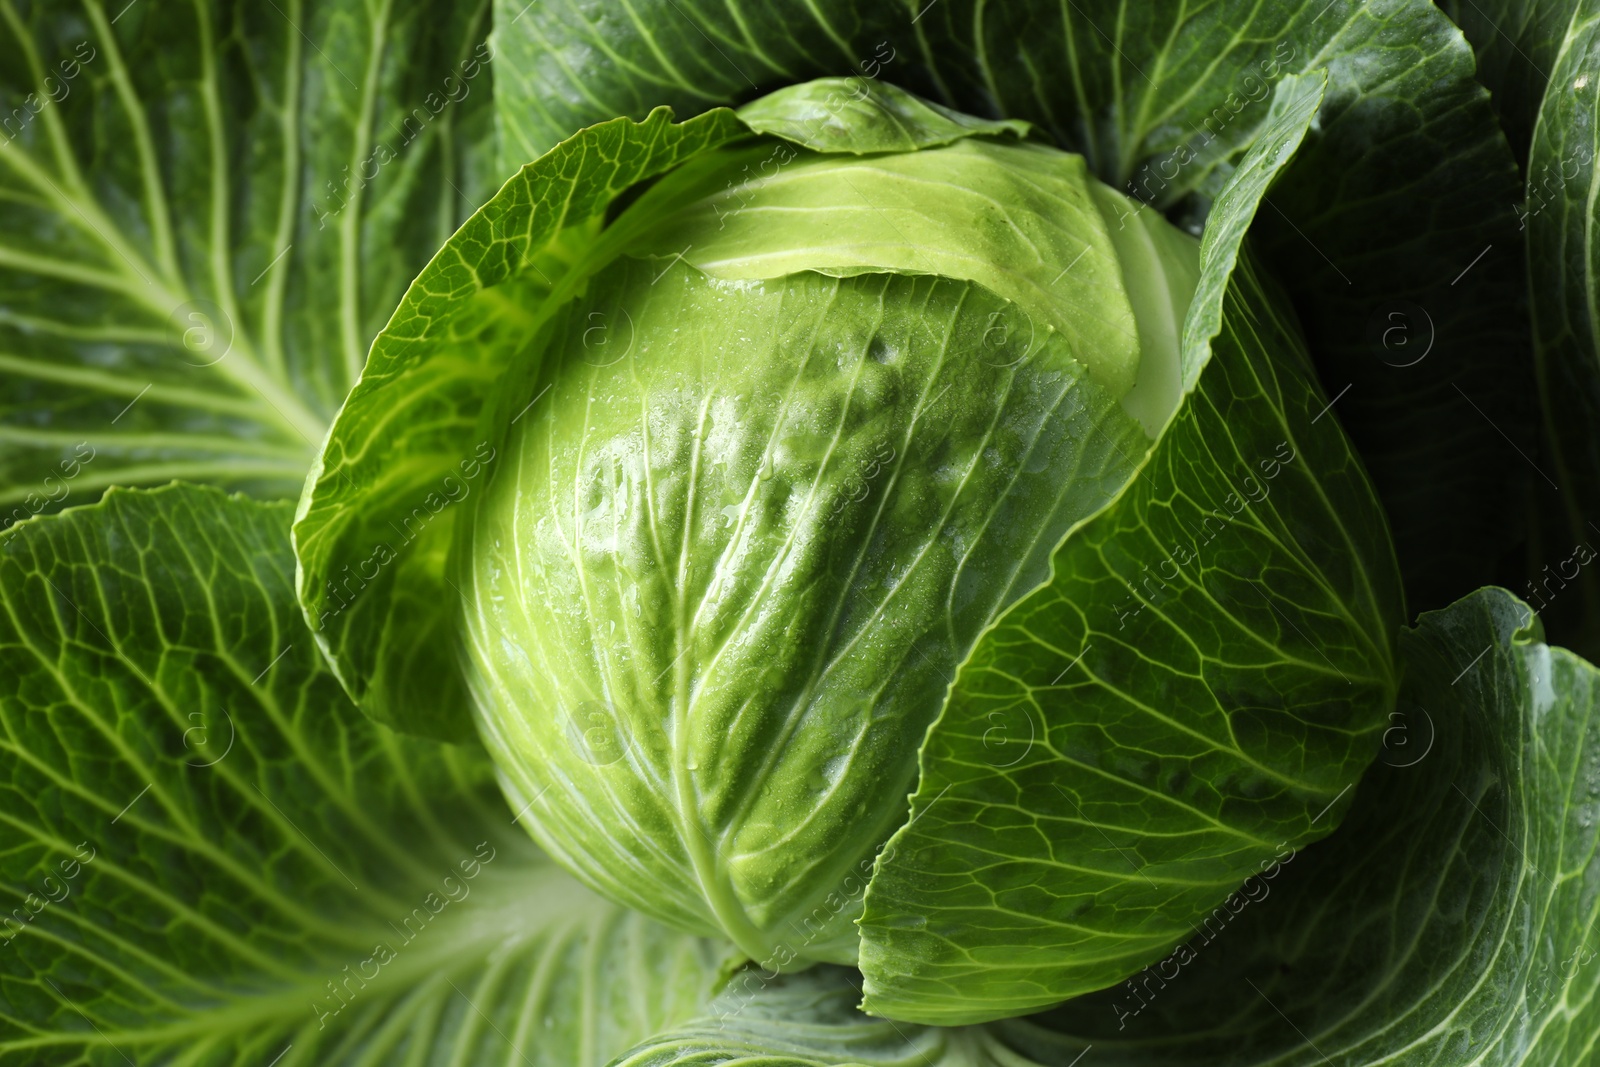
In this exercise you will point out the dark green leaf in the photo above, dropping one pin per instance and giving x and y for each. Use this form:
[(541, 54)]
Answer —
[(1452, 919), (1518, 43), (1562, 218)]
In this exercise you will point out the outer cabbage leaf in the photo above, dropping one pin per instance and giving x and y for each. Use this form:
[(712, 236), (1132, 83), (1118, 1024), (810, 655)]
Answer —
[(1451, 919), (415, 437), (207, 856), (207, 210), (1198, 686), (1380, 232), (1538, 58), (1562, 218), (1518, 43)]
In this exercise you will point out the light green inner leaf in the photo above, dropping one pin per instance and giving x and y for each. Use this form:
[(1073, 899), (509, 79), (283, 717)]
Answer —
[(1025, 221), (858, 116)]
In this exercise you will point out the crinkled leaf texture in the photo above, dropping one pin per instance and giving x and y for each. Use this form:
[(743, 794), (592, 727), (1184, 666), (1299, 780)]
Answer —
[(207, 210), (1402, 185), (1452, 919), (207, 856)]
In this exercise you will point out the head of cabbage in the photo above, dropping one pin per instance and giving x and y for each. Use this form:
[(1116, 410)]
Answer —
[(880, 562)]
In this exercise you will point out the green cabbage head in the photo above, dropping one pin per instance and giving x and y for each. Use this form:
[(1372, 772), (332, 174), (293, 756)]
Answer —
[(847, 404), (884, 557)]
